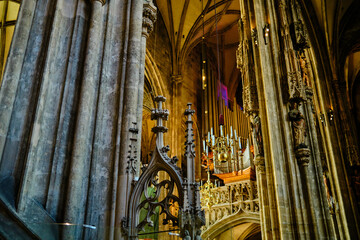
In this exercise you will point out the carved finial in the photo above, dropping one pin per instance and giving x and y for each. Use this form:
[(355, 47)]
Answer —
[(189, 144), (132, 157), (159, 114), (189, 112)]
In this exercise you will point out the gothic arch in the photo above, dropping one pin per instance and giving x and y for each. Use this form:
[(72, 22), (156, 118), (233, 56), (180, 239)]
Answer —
[(153, 76), (152, 87), (230, 222)]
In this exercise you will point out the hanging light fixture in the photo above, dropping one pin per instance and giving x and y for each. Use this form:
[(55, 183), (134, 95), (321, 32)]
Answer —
[(220, 146), (203, 52), (207, 190)]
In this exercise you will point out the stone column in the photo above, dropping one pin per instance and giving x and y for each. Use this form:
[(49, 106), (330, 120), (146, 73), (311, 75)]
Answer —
[(149, 18), (282, 179), (259, 163), (20, 87), (176, 81), (68, 102), (36, 175), (129, 112), (80, 165)]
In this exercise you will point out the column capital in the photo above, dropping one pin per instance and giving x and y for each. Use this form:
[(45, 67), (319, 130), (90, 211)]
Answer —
[(149, 17), (303, 156), (176, 78)]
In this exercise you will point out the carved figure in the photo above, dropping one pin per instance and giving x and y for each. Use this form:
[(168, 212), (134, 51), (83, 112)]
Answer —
[(329, 197), (258, 136), (300, 36), (299, 127), (304, 70), (187, 235)]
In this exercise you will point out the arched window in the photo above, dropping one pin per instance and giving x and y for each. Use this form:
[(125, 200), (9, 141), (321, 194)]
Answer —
[(9, 10)]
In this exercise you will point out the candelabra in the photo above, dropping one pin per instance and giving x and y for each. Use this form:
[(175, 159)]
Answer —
[(224, 149), (208, 197)]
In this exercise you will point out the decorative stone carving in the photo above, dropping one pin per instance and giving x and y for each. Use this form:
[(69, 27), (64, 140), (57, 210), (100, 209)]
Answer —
[(187, 235), (250, 98), (160, 162), (329, 197), (296, 88), (304, 70), (303, 156), (299, 36), (149, 17), (257, 135), (240, 55), (245, 63), (299, 128), (254, 36), (259, 163), (192, 217), (232, 199), (132, 158)]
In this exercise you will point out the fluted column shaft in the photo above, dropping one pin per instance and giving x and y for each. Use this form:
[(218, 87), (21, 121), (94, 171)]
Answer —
[(129, 113), (84, 134), (149, 17)]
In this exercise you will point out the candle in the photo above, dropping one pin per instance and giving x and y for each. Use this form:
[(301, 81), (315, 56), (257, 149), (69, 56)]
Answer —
[(231, 132), (235, 133), (240, 143), (227, 139), (212, 132), (221, 130), (213, 140), (208, 136), (204, 145)]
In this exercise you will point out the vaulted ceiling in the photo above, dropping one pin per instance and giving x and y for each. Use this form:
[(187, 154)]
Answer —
[(187, 21), (185, 26), (339, 22)]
